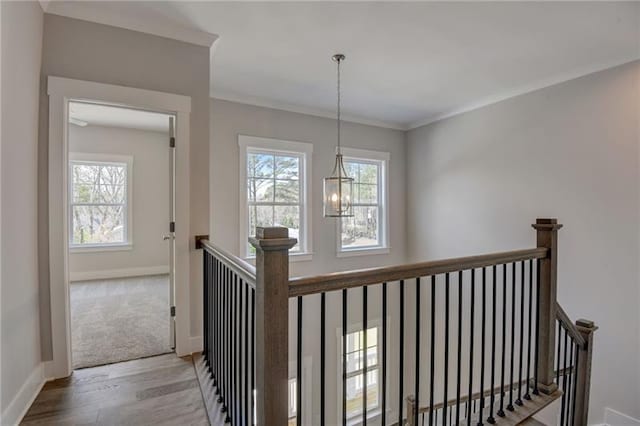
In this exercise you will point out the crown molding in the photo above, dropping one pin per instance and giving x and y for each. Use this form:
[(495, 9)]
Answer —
[(84, 11), (317, 112), (562, 78)]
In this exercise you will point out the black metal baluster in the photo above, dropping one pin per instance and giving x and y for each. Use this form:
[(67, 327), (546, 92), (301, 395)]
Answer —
[(482, 343), (519, 399), (366, 353), (504, 338), (234, 350), (471, 335), (211, 318), (299, 366), (401, 363), (218, 338), (227, 345), (246, 352), (205, 308), (536, 358), (459, 348), (253, 354), (417, 366), (492, 399), (445, 392), (564, 380), (384, 354), (527, 395), (433, 344), (571, 369), (323, 331), (240, 352), (513, 334), (575, 385), (344, 357)]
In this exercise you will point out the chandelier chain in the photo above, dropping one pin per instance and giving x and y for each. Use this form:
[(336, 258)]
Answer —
[(338, 89)]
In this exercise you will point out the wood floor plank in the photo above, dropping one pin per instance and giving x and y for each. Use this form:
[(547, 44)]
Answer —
[(156, 390)]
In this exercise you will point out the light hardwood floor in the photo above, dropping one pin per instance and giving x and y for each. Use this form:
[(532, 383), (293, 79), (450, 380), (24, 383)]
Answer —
[(161, 390)]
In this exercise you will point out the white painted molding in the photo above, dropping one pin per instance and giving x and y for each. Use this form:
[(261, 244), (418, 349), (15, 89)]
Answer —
[(88, 12), (196, 344), (616, 418), (316, 112), (21, 402), (494, 99), (118, 273)]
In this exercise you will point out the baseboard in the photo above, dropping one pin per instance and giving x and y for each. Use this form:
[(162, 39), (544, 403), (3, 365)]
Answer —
[(196, 344), (616, 418), (20, 404), (118, 273)]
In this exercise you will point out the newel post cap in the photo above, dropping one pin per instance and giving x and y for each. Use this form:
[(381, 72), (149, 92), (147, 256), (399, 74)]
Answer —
[(547, 224), (272, 239)]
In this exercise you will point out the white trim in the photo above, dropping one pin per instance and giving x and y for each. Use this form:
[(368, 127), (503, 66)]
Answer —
[(299, 109), (383, 158), (523, 90), (61, 91), (304, 149), (84, 157), (106, 274), (19, 405), (196, 344), (616, 418), (167, 29)]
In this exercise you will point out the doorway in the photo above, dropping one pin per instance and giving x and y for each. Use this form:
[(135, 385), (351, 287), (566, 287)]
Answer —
[(121, 183)]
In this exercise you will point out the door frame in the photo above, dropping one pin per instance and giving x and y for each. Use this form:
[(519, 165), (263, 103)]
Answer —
[(61, 91)]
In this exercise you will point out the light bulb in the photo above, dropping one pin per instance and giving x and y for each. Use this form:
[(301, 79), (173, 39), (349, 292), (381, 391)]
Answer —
[(334, 197)]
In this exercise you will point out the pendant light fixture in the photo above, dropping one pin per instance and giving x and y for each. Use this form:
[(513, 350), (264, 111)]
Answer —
[(339, 186)]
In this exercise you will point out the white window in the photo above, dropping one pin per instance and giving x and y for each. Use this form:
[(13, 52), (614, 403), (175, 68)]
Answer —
[(99, 201), (367, 231), (274, 181), (356, 353), (293, 398)]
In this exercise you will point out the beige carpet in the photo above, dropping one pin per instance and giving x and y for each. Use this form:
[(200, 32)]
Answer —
[(119, 319)]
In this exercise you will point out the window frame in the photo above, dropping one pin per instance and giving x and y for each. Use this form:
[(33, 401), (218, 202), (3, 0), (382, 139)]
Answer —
[(373, 412), (304, 150), (382, 160), (102, 159)]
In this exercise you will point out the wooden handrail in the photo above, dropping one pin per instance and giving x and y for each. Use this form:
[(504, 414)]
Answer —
[(569, 327), (245, 270), (303, 286)]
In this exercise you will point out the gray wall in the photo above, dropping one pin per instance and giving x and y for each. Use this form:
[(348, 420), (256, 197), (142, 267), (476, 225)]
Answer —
[(570, 151), (229, 119), (19, 331), (88, 51), (149, 204)]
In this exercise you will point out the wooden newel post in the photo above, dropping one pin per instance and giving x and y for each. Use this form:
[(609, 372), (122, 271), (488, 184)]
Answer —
[(547, 237), (272, 324), (583, 372)]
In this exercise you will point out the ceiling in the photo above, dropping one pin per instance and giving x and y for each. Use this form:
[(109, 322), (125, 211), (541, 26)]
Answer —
[(88, 114), (407, 63)]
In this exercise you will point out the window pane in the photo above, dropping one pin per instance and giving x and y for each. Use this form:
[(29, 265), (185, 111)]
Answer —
[(287, 167), (111, 194), (260, 190), (259, 216), (84, 193), (368, 173), (354, 361), (259, 165), (287, 191), (367, 194), (85, 173), (289, 217), (98, 224), (353, 341), (372, 337), (361, 230), (355, 392), (112, 174)]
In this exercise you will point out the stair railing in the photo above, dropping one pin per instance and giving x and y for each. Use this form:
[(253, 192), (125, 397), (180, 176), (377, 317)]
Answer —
[(483, 308)]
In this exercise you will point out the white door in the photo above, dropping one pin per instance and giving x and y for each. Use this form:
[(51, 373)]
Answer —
[(171, 236)]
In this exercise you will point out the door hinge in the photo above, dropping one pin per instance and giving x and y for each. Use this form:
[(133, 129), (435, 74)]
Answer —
[(173, 311), (172, 142), (172, 227)]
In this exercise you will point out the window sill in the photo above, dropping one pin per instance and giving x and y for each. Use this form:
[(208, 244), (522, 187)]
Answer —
[(100, 248), (372, 415), (364, 251)]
